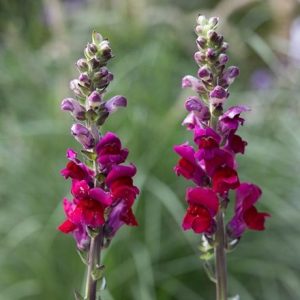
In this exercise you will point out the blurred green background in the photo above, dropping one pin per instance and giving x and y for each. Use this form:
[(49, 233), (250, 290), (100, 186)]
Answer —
[(153, 43)]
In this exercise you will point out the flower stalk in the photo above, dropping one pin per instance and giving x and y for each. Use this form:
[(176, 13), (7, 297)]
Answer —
[(94, 256), (220, 259)]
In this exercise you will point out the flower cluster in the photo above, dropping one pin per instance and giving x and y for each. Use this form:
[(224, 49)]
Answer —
[(211, 163), (102, 186)]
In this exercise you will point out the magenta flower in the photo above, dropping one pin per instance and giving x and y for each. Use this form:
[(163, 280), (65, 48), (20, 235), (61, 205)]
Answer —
[(246, 215), (120, 183), (230, 120), (187, 165), (203, 206), (75, 169), (109, 151)]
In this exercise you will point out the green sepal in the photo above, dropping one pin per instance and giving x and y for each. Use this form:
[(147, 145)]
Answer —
[(93, 233), (89, 155), (209, 271), (91, 115), (78, 296), (206, 244), (102, 117), (82, 256), (207, 255), (96, 37), (97, 273)]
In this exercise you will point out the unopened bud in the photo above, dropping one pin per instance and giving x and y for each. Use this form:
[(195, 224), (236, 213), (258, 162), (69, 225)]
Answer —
[(199, 57), (194, 83), (213, 22), (95, 99), (83, 136), (204, 73), (115, 103), (211, 54), (223, 59), (201, 20), (82, 65), (73, 106), (201, 42), (218, 95), (96, 38), (224, 46)]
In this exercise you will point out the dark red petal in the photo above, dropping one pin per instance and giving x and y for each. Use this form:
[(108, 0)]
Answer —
[(254, 219), (203, 197), (198, 218), (67, 227), (202, 223), (225, 178), (129, 218)]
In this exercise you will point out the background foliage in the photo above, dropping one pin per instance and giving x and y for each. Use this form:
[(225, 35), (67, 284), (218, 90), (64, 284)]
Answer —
[(153, 42)]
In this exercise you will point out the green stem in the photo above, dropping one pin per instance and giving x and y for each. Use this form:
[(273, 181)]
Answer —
[(93, 261), (220, 259)]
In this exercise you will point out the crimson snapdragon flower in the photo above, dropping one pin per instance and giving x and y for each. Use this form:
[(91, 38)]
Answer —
[(210, 163), (102, 187)]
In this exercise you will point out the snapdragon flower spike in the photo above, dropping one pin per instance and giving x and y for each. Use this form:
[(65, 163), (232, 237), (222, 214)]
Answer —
[(210, 163), (102, 187)]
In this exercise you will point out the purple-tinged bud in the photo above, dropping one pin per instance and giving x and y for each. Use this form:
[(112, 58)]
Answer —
[(204, 73), (95, 99), (213, 22), (83, 136), (199, 30), (223, 59), (90, 50), (199, 57), (218, 95), (194, 83), (201, 20), (201, 42), (115, 103), (96, 38), (105, 49), (82, 65), (211, 54), (229, 75), (78, 88), (201, 111), (224, 46), (95, 63), (212, 36), (85, 80), (194, 103), (103, 82), (101, 73), (73, 106)]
